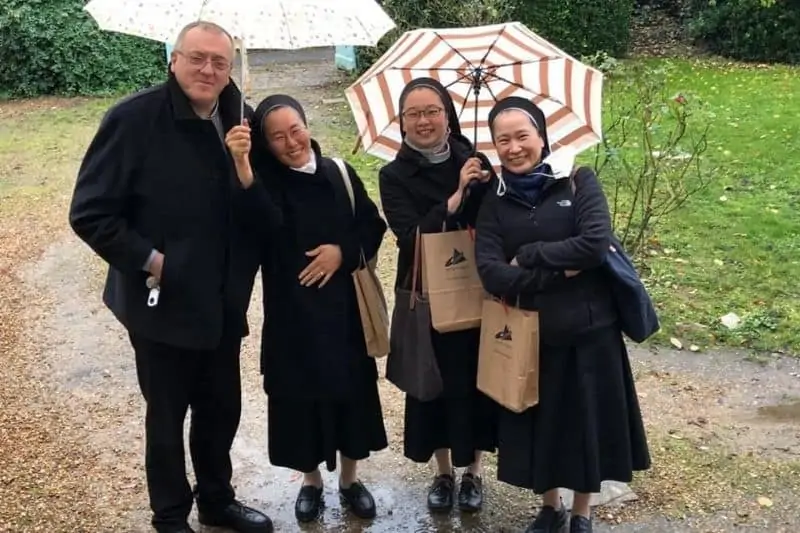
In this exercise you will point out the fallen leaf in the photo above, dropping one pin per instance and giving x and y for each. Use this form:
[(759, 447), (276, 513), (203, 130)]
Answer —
[(763, 501)]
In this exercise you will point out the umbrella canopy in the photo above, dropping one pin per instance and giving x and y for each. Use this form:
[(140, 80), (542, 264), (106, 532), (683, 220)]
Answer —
[(479, 66), (259, 24)]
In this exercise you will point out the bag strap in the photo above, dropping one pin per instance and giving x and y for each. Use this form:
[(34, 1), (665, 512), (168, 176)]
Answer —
[(348, 184), (415, 268), (572, 184)]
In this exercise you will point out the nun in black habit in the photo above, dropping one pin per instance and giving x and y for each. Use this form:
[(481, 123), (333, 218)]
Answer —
[(438, 180), (542, 246), (321, 383)]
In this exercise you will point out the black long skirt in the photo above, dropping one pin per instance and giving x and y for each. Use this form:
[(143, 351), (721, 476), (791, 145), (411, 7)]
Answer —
[(462, 419), (304, 433), (587, 427)]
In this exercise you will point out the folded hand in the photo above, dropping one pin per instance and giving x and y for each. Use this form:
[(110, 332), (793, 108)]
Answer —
[(327, 260)]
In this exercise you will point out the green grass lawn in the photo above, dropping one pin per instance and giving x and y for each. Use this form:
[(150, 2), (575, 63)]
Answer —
[(735, 247)]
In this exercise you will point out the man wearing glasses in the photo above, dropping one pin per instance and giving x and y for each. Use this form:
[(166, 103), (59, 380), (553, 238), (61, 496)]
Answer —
[(154, 198)]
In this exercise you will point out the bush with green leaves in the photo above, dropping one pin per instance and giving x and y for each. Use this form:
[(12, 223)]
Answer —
[(751, 30), (651, 157), (53, 47), (580, 27)]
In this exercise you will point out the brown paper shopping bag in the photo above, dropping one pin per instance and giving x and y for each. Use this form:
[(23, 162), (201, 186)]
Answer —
[(508, 363), (369, 291), (373, 309), (450, 279)]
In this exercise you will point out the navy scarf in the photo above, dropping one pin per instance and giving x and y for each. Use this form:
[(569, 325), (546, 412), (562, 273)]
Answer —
[(528, 186)]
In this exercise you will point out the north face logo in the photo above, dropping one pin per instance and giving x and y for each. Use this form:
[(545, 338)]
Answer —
[(456, 259), (504, 335)]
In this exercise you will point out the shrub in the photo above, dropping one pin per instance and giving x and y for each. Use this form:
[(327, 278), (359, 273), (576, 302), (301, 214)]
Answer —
[(751, 30), (651, 157), (54, 47)]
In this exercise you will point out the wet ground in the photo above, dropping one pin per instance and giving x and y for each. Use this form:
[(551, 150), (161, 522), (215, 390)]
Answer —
[(89, 366)]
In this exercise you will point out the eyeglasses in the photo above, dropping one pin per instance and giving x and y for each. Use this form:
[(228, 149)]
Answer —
[(199, 61), (416, 114)]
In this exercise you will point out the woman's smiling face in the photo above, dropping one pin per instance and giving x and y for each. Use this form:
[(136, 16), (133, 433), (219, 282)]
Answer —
[(517, 141), (288, 137), (424, 118)]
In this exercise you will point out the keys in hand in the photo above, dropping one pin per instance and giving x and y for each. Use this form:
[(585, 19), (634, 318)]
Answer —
[(155, 291)]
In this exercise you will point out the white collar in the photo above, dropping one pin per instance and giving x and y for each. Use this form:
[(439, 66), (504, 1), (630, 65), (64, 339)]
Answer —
[(310, 167)]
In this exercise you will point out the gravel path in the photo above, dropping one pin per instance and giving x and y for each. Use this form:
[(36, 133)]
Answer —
[(71, 396)]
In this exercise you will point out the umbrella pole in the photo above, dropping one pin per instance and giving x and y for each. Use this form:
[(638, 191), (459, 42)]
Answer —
[(245, 77), (476, 90)]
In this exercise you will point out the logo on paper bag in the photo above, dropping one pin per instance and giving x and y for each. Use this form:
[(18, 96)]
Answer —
[(457, 258), (504, 334)]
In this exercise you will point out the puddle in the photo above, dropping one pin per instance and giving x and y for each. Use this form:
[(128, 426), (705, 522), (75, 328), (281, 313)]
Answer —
[(786, 412)]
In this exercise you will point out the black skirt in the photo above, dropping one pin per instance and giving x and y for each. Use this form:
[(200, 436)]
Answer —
[(304, 433), (587, 427), (462, 419)]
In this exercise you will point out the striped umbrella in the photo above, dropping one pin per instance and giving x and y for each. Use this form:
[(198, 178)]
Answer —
[(479, 66)]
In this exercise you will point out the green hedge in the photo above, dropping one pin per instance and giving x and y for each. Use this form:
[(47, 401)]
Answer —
[(581, 27), (751, 30), (53, 47)]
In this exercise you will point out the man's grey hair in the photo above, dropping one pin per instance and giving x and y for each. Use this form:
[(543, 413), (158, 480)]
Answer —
[(207, 26)]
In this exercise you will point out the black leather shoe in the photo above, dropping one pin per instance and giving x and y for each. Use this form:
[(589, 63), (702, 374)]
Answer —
[(358, 499), (470, 495), (309, 503), (440, 495), (237, 517), (549, 520), (580, 524)]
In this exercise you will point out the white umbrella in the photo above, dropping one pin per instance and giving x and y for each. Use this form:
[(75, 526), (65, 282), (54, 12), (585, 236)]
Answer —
[(259, 24), (254, 24), (479, 66)]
